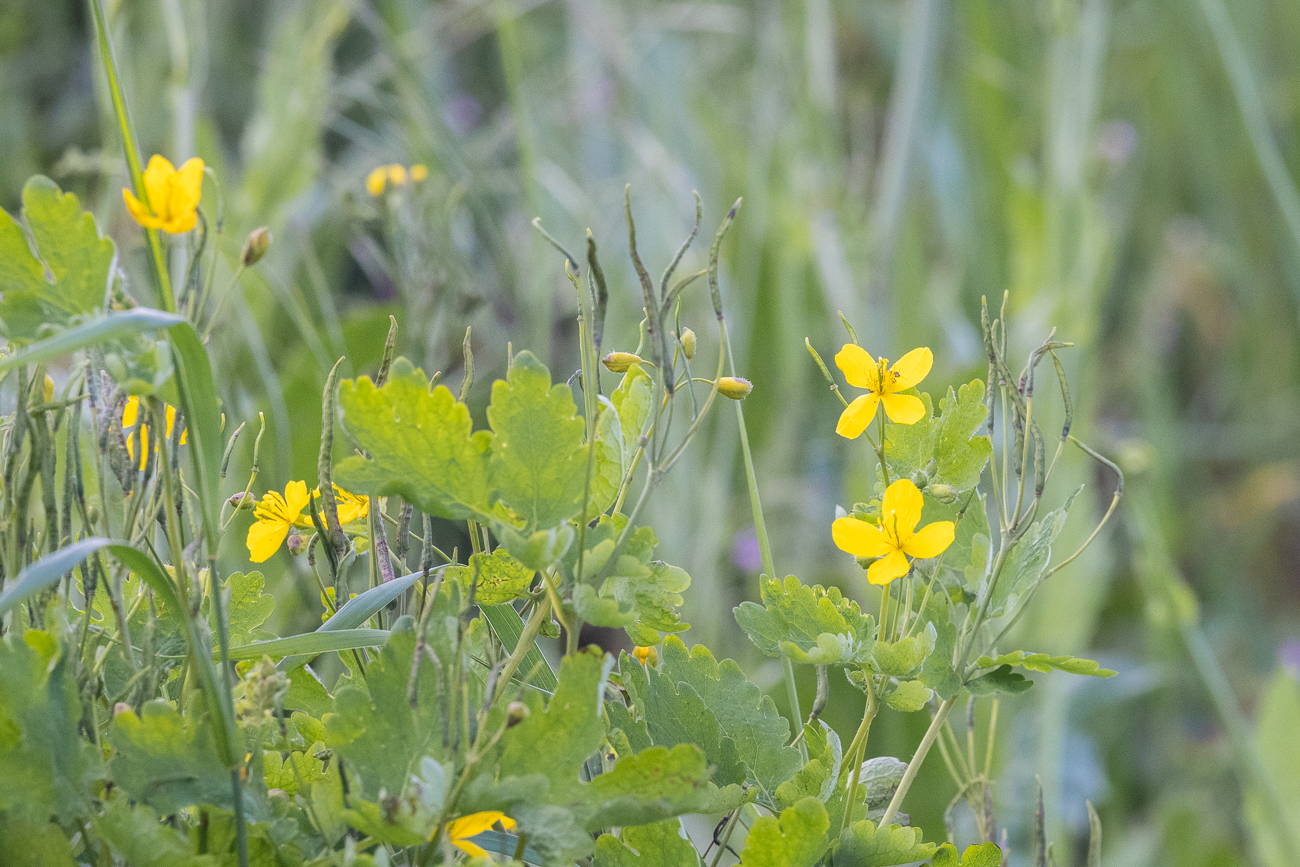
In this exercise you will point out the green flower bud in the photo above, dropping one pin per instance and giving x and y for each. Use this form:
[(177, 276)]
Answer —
[(688, 343), (621, 362), (297, 544), (255, 246), (516, 712), (247, 502), (735, 387)]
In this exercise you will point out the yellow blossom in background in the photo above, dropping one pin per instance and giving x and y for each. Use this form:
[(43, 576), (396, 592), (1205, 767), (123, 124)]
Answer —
[(419, 172), (131, 414), (376, 180), (883, 384), (276, 515), (396, 175), (896, 538), (173, 195), (465, 827), (352, 507)]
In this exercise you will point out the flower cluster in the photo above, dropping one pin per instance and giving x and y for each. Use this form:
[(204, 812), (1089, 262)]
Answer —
[(894, 538), (278, 514), (394, 175)]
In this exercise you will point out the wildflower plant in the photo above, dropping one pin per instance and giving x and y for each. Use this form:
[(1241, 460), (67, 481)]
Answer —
[(149, 716)]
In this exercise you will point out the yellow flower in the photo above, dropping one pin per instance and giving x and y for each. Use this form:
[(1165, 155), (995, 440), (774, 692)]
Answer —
[(352, 507), (376, 180), (173, 195), (419, 172), (396, 175), (130, 414), (895, 539), (883, 384), (465, 827), (276, 515), (647, 656)]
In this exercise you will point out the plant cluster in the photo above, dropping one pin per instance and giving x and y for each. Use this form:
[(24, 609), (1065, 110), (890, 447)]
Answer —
[(147, 717)]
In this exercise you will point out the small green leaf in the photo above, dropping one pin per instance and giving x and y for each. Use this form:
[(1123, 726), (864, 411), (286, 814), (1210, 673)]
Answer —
[(27, 842), (1000, 679), (908, 697), (983, 855), (497, 578), (421, 444), (248, 608), (357, 611), (1028, 560), (819, 775), (811, 625), (657, 845), (166, 761), (654, 784), (796, 839), (538, 464), (865, 845), (139, 837), (1044, 663), (880, 777), (904, 657)]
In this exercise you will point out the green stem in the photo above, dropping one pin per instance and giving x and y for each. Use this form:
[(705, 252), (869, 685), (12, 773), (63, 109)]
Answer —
[(132, 154), (914, 766), (857, 750)]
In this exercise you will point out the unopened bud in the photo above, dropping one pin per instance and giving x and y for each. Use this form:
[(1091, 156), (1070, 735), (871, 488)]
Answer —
[(621, 362), (49, 389), (943, 493), (297, 544), (247, 502), (688, 343), (121, 707), (735, 387), (255, 246), (516, 712), (647, 656)]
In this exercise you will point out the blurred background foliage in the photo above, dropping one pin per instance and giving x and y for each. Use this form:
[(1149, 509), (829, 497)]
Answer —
[(1122, 168)]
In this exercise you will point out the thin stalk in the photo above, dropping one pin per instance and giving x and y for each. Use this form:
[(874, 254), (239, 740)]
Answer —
[(860, 743), (914, 766)]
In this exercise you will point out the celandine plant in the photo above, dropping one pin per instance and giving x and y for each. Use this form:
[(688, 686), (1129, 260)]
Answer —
[(146, 717)]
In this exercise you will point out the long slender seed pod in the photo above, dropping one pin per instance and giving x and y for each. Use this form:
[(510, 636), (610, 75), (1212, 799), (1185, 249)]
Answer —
[(467, 349), (681, 251), (325, 467), (390, 345), (714, 292), (601, 292), (655, 335)]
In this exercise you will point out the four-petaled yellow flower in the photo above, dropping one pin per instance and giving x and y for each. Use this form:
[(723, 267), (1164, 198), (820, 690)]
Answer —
[(883, 384), (352, 507), (276, 515), (465, 827), (896, 538), (130, 414), (173, 195)]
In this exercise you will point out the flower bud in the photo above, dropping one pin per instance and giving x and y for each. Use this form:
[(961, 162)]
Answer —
[(688, 343), (647, 656), (735, 387), (297, 544), (48, 392), (255, 246), (247, 502), (121, 707), (943, 493), (516, 712), (620, 362)]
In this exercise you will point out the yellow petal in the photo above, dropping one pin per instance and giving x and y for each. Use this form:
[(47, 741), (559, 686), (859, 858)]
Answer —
[(396, 175), (477, 823), (189, 183), (860, 370), (912, 368), (295, 498), (155, 181), (265, 538), (140, 211), (419, 172), (471, 848), (900, 509), (887, 568), (857, 415), (130, 411), (859, 538), (903, 408), (931, 541), (376, 180)]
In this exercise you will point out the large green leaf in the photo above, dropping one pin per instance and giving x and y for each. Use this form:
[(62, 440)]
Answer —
[(691, 698), (137, 835), (376, 727), (797, 839), (653, 784), (1028, 560), (865, 845), (1276, 740), (71, 252), (355, 612), (657, 845), (497, 578), (102, 329), (949, 439), (198, 401), (420, 444), (539, 463), (46, 768), (311, 643), (27, 842), (167, 761), (808, 624)]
